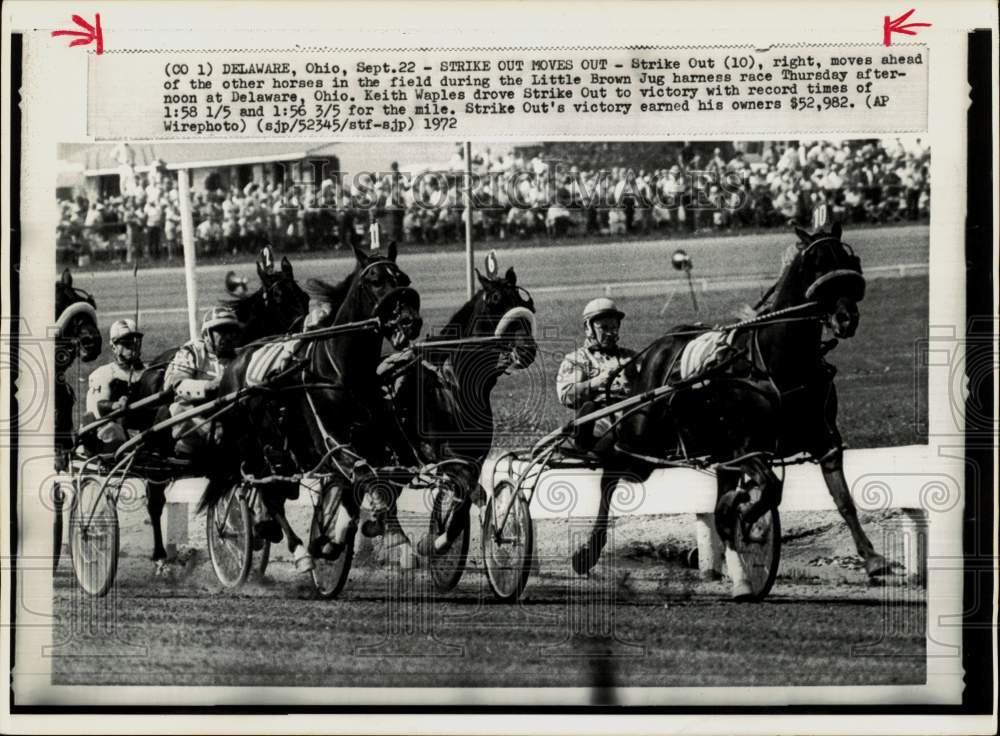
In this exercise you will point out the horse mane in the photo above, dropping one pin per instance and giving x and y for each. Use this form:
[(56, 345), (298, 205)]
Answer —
[(243, 305), (456, 326), (332, 294)]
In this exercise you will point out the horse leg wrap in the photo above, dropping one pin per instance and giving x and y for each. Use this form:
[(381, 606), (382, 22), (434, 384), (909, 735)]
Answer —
[(303, 560), (737, 573)]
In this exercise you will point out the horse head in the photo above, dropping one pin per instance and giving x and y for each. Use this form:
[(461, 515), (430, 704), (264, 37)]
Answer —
[(277, 305), (379, 288), (76, 323), (503, 309), (825, 270)]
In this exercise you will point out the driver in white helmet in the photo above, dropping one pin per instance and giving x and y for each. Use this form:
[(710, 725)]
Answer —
[(109, 385), (196, 372), (595, 373)]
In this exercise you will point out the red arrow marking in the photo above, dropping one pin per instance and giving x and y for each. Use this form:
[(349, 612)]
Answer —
[(89, 34), (898, 25)]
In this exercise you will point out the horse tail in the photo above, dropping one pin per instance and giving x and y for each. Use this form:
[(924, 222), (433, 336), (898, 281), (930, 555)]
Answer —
[(214, 492)]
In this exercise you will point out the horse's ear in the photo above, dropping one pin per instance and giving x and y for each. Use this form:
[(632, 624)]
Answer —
[(511, 276), (482, 279), (360, 255), (286, 267), (804, 237), (67, 278), (836, 231), (391, 251)]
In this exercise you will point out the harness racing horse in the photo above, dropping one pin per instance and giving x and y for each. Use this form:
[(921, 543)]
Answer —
[(773, 397), (276, 307), (77, 335), (443, 401), (325, 417)]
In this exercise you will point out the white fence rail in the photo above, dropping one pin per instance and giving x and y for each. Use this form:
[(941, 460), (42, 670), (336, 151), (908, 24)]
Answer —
[(879, 479)]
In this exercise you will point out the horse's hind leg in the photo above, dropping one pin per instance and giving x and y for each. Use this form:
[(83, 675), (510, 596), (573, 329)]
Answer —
[(156, 499), (833, 473), (760, 475), (726, 517), (587, 556)]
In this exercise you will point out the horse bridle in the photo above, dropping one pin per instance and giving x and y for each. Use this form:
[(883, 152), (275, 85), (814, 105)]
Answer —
[(853, 269), (269, 289)]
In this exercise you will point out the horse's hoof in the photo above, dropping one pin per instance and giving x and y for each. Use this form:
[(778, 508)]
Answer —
[(743, 593), (583, 560), (877, 565), (303, 561), (326, 548), (159, 568), (268, 529), (408, 560), (373, 528)]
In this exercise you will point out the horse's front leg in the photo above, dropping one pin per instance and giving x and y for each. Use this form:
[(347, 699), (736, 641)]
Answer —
[(833, 473)]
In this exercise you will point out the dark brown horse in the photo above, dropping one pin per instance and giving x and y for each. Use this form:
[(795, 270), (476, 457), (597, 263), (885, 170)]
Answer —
[(327, 416), (773, 397), (77, 336), (443, 401)]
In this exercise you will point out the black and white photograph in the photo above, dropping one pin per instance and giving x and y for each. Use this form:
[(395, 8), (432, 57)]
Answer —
[(745, 311), (423, 369)]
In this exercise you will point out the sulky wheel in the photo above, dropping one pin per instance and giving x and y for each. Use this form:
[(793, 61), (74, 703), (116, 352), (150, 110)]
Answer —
[(758, 547), (228, 531), (451, 546), (330, 576), (507, 550), (93, 537)]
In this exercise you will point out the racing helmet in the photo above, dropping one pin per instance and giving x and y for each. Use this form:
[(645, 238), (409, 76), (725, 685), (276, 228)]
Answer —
[(219, 317), (121, 329), (126, 342), (600, 307)]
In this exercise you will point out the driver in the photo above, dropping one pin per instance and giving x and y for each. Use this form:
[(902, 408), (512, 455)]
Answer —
[(583, 380), (109, 385), (196, 372)]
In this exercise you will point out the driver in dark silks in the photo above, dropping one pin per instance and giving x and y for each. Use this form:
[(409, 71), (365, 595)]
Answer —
[(588, 379)]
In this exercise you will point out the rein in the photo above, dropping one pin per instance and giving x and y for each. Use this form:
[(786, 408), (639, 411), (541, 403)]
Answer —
[(318, 334), (762, 320)]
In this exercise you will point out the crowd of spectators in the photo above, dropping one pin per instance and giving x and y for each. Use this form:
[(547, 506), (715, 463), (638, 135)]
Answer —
[(516, 196)]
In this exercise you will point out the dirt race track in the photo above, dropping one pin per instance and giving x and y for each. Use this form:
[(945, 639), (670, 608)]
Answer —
[(642, 619)]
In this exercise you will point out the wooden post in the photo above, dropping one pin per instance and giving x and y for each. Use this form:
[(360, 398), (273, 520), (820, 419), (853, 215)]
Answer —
[(469, 268), (709, 547), (187, 237)]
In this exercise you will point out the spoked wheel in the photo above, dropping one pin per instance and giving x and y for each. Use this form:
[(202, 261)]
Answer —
[(758, 547), (330, 576), (93, 537), (507, 550), (228, 531), (448, 563)]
